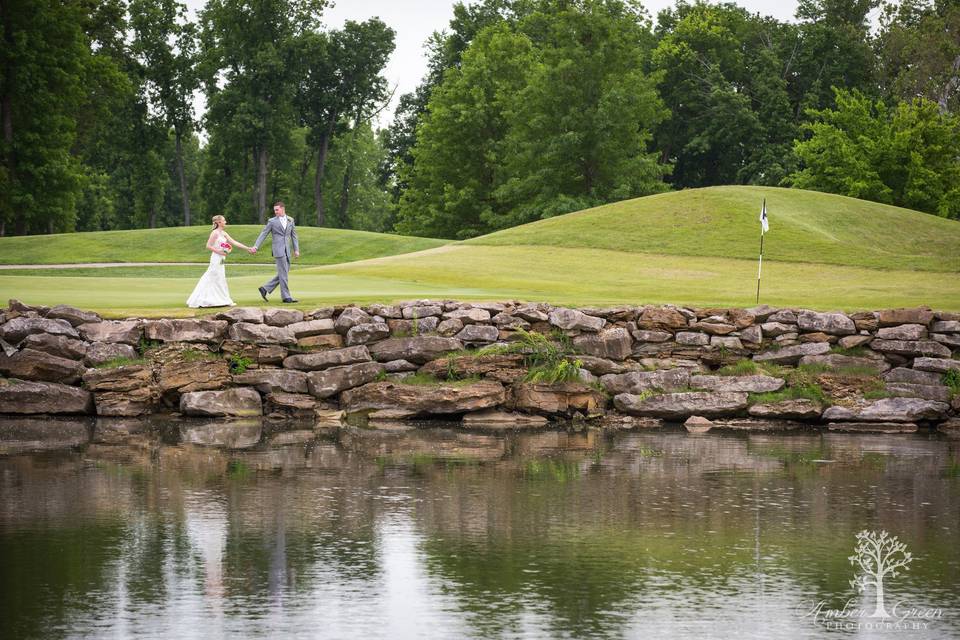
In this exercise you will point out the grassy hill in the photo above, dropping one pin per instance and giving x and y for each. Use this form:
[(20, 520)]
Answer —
[(691, 247), (805, 226), (188, 244)]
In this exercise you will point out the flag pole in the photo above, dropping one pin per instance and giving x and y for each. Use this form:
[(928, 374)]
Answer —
[(760, 263)]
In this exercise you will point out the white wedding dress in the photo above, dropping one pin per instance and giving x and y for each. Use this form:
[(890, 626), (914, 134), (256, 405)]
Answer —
[(212, 289)]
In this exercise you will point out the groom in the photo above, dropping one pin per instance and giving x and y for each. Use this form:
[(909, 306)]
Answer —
[(281, 229)]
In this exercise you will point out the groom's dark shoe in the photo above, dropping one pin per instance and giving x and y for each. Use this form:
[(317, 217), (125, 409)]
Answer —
[(290, 300), (263, 293)]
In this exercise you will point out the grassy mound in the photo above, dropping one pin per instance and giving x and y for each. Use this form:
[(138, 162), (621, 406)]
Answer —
[(805, 226)]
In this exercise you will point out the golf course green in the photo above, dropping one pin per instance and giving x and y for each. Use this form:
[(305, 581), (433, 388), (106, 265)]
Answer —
[(695, 247)]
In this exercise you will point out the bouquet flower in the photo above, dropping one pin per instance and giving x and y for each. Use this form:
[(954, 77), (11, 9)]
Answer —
[(226, 247)]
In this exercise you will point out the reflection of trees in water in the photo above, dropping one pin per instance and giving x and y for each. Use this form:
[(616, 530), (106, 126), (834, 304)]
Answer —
[(574, 531)]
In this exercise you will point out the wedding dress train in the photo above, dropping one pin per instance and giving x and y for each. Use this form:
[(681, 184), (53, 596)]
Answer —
[(212, 289)]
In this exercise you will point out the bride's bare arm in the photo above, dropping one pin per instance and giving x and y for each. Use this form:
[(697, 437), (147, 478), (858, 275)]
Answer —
[(234, 242), (212, 244)]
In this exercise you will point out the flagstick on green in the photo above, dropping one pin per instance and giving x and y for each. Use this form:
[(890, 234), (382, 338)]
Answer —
[(764, 227)]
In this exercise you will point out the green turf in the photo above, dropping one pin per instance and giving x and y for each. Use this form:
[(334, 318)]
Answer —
[(188, 244), (682, 248), (805, 226)]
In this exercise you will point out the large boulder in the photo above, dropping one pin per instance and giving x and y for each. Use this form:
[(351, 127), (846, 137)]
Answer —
[(666, 318), (799, 409), (503, 368), (889, 410), (916, 315), (30, 364), (937, 392), (903, 332), (614, 343), (253, 315), (326, 359), (349, 318), (184, 374), (368, 332), (679, 406), (840, 361), (187, 330), (273, 380), (792, 354), (238, 402), (124, 378), (282, 317), (72, 315), (911, 348), (912, 376), (423, 399), (836, 324), (99, 353), (571, 319), (13, 331), (419, 349), (61, 346), (563, 398), (261, 333), (24, 397), (330, 382), (640, 381), (936, 365), (750, 384), (475, 334), (309, 328), (124, 331)]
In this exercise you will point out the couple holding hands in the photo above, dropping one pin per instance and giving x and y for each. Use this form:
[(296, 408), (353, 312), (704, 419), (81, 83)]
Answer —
[(212, 289)]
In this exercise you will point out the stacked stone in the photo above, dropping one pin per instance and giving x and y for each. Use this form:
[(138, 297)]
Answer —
[(647, 361)]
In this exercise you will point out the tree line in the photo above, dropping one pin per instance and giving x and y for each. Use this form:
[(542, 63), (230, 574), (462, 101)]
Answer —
[(529, 109)]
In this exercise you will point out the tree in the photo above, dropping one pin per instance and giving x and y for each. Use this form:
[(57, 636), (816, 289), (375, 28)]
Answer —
[(907, 155), (166, 46), (878, 555), (42, 65), (919, 51), (340, 82), (248, 63)]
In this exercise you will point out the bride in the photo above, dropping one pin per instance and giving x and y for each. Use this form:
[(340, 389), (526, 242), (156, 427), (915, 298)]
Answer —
[(212, 290)]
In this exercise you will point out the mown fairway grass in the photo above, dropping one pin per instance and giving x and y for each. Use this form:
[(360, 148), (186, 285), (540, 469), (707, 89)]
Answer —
[(823, 252), (187, 244)]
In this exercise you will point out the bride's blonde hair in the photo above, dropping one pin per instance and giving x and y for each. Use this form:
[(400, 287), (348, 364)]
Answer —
[(217, 219)]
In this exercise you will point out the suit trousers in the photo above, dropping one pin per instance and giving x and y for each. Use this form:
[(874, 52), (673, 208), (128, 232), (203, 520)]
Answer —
[(283, 270)]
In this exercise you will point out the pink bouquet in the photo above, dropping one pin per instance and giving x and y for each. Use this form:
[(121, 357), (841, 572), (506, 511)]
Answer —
[(226, 247)]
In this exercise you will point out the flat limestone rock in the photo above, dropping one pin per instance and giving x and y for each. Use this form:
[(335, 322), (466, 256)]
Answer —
[(238, 402), (418, 349), (185, 330), (911, 348), (750, 384), (325, 359), (30, 364), (23, 397), (124, 331), (936, 365), (494, 420), (330, 382), (273, 380), (424, 400), (640, 381), (800, 409), (836, 324), (873, 427), (561, 398), (676, 406), (889, 410), (937, 392), (793, 354), (13, 331)]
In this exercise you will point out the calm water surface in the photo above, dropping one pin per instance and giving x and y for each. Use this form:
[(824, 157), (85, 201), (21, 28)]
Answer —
[(189, 531)]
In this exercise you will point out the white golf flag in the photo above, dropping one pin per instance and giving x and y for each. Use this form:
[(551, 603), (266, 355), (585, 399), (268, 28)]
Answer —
[(763, 218)]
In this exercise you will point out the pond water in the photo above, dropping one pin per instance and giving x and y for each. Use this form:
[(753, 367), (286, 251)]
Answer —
[(117, 530)]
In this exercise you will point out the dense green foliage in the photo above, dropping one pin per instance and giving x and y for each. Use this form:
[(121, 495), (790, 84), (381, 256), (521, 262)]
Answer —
[(529, 109)]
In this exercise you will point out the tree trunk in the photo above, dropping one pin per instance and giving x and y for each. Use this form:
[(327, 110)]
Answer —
[(262, 186), (183, 182), (345, 192), (951, 85), (153, 217), (6, 104), (318, 181), (3, 228)]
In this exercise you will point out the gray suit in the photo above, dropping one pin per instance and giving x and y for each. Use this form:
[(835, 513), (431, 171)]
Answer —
[(281, 252)]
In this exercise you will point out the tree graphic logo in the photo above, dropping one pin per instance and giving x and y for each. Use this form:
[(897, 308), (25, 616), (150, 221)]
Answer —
[(877, 557)]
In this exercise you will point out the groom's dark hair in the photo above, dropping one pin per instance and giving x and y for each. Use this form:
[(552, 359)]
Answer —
[(279, 203)]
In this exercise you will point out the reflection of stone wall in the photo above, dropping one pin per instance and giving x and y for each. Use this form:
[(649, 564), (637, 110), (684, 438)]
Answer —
[(885, 370)]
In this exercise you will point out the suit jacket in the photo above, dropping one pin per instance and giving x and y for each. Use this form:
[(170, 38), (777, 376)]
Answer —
[(280, 237)]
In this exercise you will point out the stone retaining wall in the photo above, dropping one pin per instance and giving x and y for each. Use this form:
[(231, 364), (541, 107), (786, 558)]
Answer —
[(889, 370)]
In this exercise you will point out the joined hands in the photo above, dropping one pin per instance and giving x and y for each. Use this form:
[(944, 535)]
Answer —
[(252, 249)]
